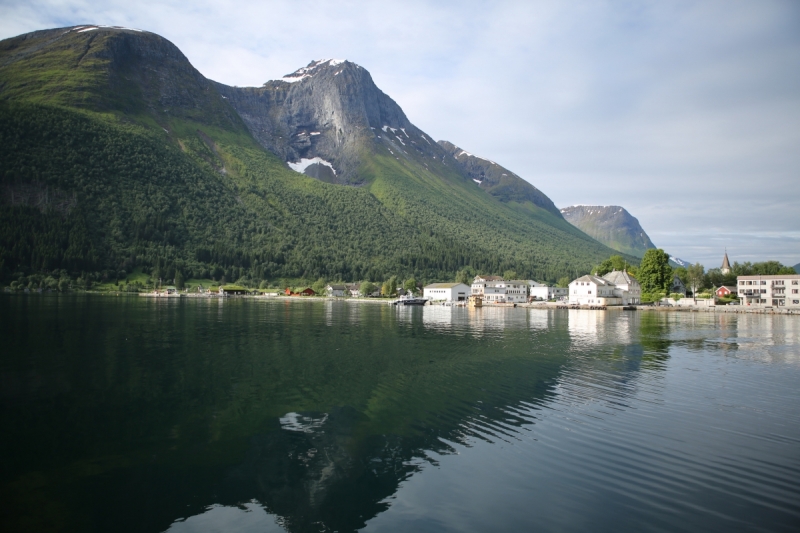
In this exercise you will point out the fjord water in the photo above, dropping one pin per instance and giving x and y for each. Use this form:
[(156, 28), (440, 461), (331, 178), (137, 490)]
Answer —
[(182, 415)]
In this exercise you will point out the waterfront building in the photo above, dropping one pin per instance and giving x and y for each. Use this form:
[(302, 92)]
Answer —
[(626, 287), (782, 290), (545, 292), (336, 289), (592, 290), (494, 289), (446, 292), (615, 288)]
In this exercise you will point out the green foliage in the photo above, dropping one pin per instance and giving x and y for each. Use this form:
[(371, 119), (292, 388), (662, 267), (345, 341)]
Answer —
[(465, 275), (563, 282), (615, 262), (367, 288), (655, 274), (654, 296), (508, 274), (694, 277), (389, 287), (410, 285), (319, 286), (179, 281)]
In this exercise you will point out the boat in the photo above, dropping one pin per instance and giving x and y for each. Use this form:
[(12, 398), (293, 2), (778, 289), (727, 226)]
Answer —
[(410, 299), (476, 301)]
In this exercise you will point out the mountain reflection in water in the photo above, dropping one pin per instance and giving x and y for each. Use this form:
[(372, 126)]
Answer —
[(135, 414)]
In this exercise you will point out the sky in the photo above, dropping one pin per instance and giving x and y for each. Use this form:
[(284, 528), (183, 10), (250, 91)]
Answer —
[(686, 113)]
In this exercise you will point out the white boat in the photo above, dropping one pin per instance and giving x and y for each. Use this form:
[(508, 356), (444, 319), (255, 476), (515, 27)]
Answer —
[(409, 299)]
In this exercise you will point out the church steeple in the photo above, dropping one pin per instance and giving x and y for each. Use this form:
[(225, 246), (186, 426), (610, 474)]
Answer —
[(726, 266)]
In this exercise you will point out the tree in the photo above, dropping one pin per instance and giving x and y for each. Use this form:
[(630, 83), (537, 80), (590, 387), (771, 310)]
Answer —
[(508, 275), (465, 275), (655, 274), (319, 286), (179, 279), (367, 288), (389, 287), (615, 262), (410, 285), (563, 282), (694, 276)]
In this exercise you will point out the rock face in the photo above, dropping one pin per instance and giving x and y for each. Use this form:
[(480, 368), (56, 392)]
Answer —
[(330, 109), (498, 181), (612, 225)]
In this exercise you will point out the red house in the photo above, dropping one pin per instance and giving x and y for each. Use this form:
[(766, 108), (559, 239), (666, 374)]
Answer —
[(725, 291), (305, 292)]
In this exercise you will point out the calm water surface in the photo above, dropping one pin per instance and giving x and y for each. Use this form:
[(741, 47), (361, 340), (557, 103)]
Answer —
[(135, 414)]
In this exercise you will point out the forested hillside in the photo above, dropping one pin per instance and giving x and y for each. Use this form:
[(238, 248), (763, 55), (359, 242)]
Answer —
[(117, 154)]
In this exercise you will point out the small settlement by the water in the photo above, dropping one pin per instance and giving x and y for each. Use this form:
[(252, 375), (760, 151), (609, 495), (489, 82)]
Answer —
[(614, 290)]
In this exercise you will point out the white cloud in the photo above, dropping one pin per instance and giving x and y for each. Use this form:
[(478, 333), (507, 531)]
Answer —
[(686, 113)]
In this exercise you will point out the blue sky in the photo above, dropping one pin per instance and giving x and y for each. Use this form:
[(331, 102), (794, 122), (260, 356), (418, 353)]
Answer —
[(685, 113)]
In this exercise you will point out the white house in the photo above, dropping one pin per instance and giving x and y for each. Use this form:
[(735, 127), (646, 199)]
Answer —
[(496, 289), (336, 290), (628, 287), (479, 284), (448, 292), (592, 290), (354, 290), (615, 288), (543, 292)]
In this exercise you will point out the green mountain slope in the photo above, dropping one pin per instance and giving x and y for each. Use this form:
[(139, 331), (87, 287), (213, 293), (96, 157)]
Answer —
[(118, 154)]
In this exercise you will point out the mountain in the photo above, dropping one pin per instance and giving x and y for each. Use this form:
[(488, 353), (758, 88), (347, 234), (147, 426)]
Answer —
[(612, 225), (678, 262), (499, 181), (797, 268), (119, 154)]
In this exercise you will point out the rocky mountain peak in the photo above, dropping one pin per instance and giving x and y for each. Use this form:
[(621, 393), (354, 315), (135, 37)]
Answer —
[(612, 225), (326, 112), (315, 67)]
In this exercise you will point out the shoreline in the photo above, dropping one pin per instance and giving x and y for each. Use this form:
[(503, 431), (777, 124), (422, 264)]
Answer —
[(729, 309)]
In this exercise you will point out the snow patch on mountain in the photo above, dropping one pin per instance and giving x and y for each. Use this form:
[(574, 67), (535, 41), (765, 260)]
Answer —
[(308, 71), (304, 163)]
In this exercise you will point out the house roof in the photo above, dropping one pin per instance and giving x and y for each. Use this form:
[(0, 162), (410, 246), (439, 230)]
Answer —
[(729, 287), (593, 279), (619, 277), (489, 278), (337, 287), (442, 285)]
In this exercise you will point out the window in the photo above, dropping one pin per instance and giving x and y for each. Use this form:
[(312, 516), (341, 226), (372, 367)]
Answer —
[(795, 302), (794, 291), (794, 282)]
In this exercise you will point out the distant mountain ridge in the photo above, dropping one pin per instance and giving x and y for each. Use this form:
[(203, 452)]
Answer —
[(612, 225)]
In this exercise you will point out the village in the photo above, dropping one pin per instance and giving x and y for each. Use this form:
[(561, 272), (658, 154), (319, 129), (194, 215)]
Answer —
[(615, 289)]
